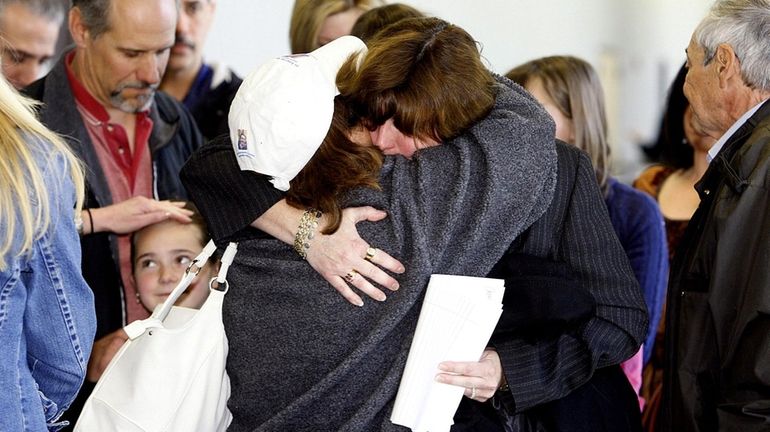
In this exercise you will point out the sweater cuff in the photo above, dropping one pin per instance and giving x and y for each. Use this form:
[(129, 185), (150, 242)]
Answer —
[(228, 199), (503, 400)]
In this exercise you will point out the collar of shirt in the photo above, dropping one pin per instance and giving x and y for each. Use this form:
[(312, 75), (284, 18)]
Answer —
[(82, 95), (726, 136), (112, 136)]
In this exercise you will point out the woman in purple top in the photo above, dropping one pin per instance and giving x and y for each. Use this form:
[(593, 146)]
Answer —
[(570, 91)]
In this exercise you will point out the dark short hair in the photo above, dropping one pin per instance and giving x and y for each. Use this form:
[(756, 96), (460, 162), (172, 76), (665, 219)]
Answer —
[(95, 15), (424, 73)]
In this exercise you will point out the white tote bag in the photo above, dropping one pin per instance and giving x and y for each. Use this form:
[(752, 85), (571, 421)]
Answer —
[(170, 374)]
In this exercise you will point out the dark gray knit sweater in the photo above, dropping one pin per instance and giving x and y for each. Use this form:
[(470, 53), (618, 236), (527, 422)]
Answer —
[(301, 357)]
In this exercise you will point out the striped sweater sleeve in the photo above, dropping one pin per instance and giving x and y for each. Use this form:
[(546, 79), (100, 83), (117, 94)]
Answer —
[(543, 370), (228, 199)]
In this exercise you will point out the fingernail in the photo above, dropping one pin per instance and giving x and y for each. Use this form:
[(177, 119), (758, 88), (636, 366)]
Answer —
[(395, 286), (439, 378), (382, 298), (360, 303), (401, 270)]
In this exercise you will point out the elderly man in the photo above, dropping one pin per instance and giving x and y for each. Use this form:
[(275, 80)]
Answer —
[(28, 33), (103, 97), (719, 296), (207, 90)]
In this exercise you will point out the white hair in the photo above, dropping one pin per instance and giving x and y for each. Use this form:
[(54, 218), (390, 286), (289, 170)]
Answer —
[(745, 26)]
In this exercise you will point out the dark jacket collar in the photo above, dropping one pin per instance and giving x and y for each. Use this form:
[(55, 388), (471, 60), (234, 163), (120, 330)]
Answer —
[(60, 114), (722, 165)]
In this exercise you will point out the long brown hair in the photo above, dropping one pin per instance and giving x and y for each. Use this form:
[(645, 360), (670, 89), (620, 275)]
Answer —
[(424, 73), (574, 86), (338, 166)]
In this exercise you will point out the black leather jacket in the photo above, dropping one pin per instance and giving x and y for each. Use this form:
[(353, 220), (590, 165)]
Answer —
[(718, 313)]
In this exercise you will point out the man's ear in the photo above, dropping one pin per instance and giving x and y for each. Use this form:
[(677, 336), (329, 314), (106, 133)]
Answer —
[(78, 30), (728, 65)]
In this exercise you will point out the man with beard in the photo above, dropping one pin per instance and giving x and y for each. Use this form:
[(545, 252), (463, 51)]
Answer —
[(207, 90), (102, 96)]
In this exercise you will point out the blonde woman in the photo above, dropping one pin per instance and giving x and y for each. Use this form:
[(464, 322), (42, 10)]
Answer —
[(317, 22), (47, 321)]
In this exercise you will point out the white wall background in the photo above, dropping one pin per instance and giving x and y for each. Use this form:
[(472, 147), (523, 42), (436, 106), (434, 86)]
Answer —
[(636, 45)]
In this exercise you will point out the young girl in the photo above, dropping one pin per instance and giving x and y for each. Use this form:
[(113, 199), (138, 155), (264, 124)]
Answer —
[(160, 254)]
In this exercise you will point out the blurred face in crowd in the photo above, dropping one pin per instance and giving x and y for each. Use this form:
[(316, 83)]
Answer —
[(392, 141), (337, 25), (28, 44), (162, 252), (564, 126), (122, 67), (195, 18)]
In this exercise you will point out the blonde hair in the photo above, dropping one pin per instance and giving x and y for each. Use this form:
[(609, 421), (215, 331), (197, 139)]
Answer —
[(308, 16), (22, 176), (574, 86)]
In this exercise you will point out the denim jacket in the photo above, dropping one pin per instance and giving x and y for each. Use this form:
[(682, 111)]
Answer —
[(47, 320)]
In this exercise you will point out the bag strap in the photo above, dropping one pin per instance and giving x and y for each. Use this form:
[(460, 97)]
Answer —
[(224, 266), (137, 328), (192, 270)]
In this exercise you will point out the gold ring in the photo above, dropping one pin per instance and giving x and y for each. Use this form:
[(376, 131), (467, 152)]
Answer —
[(370, 251), (350, 276)]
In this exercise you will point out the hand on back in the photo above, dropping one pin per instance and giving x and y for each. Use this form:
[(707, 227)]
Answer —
[(347, 261)]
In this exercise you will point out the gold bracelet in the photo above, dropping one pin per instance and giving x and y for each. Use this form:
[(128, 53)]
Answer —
[(306, 230)]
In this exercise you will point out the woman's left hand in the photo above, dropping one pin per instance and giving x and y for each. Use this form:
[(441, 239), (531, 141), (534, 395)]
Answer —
[(345, 252), (481, 379)]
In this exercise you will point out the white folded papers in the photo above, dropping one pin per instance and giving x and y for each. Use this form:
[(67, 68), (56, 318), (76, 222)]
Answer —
[(457, 318)]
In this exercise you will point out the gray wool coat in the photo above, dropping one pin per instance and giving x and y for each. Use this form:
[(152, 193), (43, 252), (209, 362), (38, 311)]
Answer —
[(301, 357)]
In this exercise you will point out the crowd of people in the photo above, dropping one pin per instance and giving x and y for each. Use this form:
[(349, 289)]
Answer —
[(380, 152)]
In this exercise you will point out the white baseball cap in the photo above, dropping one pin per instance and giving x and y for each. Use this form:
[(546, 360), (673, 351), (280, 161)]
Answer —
[(283, 110)]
